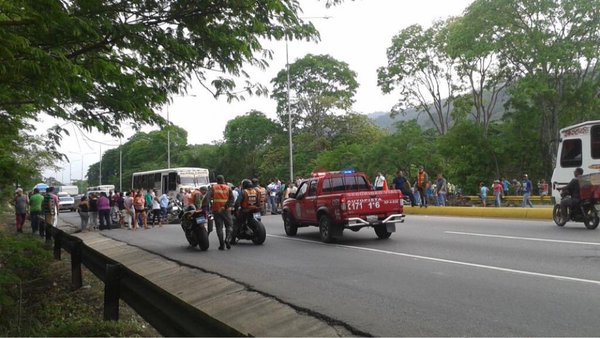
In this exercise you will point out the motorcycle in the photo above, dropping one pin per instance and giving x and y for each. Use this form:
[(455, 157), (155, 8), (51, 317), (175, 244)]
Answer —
[(584, 212), (174, 211), (195, 226), (252, 229)]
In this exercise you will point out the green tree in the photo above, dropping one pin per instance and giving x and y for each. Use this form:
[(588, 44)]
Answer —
[(552, 46), (322, 86), (421, 70)]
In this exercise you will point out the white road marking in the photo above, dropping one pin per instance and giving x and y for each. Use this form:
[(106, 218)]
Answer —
[(521, 238), (448, 261)]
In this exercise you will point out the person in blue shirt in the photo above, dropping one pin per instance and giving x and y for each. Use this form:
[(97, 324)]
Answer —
[(164, 204), (527, 189), (483, 192)]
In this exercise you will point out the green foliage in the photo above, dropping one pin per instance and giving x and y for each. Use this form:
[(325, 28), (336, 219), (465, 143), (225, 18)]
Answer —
[(321, 85)]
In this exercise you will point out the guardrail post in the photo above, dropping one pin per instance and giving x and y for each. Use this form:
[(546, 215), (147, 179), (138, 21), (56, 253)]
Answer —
[(111, 291), (48, 231), (76, 279), (57, 244)]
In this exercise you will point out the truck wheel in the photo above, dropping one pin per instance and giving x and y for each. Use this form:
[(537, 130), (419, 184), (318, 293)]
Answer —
[(325, 229), (557, 216), (381, 232), (291, 229)]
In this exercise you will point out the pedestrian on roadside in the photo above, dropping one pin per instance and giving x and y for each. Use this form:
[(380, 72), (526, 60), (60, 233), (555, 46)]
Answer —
[(505, 186), (422, 179), (35, 210), (483, 192), (93, 210), (441, 185), (104, 211), (20, 202), (527, 189), (401, 183), (83, 210), (139, 204), (380, 183), (164, 204), (498, 189), (130, 211), (155, 210)]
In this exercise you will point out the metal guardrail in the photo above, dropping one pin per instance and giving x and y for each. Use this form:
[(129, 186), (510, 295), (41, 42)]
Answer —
[(168, 314), (514, 200)]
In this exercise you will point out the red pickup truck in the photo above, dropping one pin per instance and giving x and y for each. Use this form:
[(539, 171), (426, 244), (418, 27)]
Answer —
[(340, 200)]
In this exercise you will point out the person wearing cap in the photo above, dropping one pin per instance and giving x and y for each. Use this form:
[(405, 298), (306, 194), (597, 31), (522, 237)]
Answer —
[(527, 189), (20, 208), (498, 189)]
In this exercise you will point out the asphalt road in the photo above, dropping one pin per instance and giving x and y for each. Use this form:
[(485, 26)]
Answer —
[(436, 276)]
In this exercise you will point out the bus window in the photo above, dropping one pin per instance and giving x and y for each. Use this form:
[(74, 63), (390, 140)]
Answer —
[(595, 142), (570, 156)]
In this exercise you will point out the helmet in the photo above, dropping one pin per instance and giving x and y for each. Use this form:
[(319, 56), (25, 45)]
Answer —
[(246, 184)]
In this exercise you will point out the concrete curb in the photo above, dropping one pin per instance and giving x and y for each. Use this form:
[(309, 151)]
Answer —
[(523, 213)]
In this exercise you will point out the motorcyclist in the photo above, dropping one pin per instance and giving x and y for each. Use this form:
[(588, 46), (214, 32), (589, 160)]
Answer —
[(571, 189), (246, 204), (262, 199)]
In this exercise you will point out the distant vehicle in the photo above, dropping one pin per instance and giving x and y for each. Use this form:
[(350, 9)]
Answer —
[(579, 147), (335, 201), (72, 190), (65, 202), (169, 181), (107, 188)]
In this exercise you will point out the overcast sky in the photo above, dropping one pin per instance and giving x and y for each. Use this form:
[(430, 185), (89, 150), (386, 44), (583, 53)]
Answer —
[(356, 32)]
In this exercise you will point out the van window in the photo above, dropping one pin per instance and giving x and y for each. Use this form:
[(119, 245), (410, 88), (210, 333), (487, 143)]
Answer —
[(570, 155), (595, 141)]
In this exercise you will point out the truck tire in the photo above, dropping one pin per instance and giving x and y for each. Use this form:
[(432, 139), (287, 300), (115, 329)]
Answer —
[(325, 229), (381, 232), (291, 229)]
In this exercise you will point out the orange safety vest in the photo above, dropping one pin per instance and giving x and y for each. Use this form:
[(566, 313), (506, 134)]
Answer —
[(220, 196), (263, 194), (421, 179), (250, 199)]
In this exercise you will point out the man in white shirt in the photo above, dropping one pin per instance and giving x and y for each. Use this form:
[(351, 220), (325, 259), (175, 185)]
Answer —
[(380, 182)]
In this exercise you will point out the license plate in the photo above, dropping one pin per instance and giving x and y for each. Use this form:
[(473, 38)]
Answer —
[(372, 218), (200, 220)]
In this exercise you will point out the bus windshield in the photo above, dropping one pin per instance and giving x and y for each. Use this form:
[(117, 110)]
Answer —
[(193, 179)]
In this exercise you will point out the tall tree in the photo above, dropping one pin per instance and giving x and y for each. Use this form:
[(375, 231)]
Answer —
[(421, 70), (321, 85), (552, 46)]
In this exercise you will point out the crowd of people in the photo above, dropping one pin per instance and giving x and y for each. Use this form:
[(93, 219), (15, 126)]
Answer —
[(422, 191)]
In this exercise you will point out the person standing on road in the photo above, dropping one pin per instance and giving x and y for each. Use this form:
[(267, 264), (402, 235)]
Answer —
[(164, 204), (527, 189), (21, 204), (401, 183), (222, 201), (93, 210), (83, 210), (421, 183), (130, 212), (104, 211), (35, 210), (139, 204)]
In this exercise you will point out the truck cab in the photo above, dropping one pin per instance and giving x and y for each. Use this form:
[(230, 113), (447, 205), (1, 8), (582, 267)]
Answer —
[(579, 146)]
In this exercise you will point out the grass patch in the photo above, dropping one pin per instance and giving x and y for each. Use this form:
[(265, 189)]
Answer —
[(35, 295)]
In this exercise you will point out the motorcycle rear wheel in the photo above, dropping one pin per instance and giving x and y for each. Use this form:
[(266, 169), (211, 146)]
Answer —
[(590, 218), (557, 216), (202, 236), (260, 234)]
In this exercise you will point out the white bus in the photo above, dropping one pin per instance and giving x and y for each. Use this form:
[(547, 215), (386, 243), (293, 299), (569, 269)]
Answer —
[(579, 147), (169, 181)]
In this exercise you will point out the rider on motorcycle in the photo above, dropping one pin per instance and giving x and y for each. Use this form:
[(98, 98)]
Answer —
[(571, 189), (247, 203)]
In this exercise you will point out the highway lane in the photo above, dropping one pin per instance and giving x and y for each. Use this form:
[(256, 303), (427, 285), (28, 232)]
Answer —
[(436, 276)]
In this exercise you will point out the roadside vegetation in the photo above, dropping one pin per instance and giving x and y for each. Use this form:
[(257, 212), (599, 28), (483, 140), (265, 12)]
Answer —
[(35, 295)]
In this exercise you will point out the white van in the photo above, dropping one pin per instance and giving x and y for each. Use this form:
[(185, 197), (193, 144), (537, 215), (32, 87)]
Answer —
[(579, 146)]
